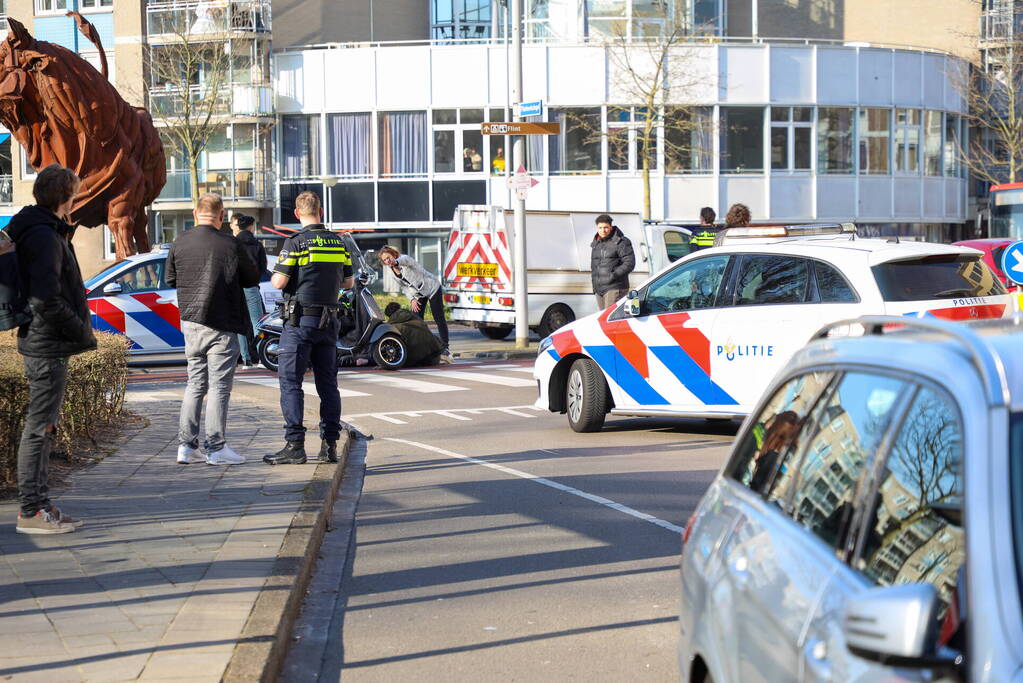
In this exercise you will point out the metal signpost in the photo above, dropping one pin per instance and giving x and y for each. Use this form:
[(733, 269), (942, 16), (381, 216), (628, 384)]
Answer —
[(518, 158)]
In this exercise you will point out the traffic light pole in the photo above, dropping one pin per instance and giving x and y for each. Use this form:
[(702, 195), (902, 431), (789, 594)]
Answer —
[(521, 303)]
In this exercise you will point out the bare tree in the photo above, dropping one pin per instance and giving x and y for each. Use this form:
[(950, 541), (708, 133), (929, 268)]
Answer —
[(654, 82), (189, 71)]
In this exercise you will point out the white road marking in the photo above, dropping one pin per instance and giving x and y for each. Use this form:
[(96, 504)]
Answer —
[(307, 387), (387, 418), (454, 416), (512, 368), (483, 377), (600, 500), (472, 411), (512, 411), (133, 395), (399, 382)]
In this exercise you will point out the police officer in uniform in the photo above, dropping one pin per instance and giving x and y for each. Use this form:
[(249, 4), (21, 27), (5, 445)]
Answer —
[(311, 269), (705, 237)]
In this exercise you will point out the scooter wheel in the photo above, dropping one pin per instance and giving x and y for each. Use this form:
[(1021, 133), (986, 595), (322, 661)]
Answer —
[(266, 349), (389, 352)]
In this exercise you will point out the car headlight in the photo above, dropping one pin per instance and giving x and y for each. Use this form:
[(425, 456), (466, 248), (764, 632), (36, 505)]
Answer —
[(545, 343)]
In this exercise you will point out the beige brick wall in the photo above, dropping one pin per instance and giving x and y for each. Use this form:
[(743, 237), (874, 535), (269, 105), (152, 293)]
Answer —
[(942, 24)]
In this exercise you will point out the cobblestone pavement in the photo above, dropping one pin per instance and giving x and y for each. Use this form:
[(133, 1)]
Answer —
[(159, 583)]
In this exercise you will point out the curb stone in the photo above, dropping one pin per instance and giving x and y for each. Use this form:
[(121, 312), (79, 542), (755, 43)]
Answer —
[(263, 643)]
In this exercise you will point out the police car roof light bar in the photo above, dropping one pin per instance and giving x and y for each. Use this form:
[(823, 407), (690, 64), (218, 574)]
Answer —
[(983, 357), (761, 231)]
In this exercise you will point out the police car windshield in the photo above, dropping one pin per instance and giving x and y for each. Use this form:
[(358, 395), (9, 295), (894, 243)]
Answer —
[(98, 277), (936, 277)]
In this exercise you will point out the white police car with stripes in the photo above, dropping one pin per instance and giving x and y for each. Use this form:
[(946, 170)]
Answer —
[(703, 337)]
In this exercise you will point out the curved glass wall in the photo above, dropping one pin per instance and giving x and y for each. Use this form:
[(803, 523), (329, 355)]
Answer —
[(630, 19)]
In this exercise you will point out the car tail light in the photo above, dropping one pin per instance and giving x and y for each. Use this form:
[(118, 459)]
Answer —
[(688, 531), (506, 301), (451, 298)]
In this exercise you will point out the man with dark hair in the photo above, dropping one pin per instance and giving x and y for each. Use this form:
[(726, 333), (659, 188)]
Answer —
[(210, 269), (705, 237), (242, 227), (424, 347), (311, 269), (611, 261), (60, 327)]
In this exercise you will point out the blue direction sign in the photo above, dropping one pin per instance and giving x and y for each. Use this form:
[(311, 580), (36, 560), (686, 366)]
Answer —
[(531, 108), (1012, 262)]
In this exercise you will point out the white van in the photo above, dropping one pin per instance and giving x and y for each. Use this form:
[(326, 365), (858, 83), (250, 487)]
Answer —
[(478, 268)]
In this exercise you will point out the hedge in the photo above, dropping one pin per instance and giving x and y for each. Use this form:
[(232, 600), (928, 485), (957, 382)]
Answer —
[(93, 400)]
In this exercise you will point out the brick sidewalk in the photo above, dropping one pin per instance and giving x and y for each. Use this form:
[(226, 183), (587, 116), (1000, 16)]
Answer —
[(160, 582)]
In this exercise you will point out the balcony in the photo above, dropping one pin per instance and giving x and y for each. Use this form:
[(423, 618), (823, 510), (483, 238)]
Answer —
[(233, 100), (208, 17), (232, 185), (6, 189), (1000, 26)]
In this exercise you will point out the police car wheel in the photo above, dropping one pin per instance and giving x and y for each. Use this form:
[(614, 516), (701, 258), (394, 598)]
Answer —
[(389, 352), (266, 350), (586, 396)]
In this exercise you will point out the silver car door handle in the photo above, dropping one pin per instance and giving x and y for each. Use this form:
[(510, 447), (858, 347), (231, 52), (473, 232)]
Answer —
[(818, 666)]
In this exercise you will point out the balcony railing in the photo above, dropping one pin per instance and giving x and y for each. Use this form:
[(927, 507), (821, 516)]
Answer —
[(208, 16), (229, 184), (232, 100)]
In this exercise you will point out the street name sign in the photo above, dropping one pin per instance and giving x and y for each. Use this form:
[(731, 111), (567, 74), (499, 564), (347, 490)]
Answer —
[(517, 128), (531, 108), (1012, 262)]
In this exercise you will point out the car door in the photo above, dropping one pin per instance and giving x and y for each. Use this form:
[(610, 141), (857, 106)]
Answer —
[(910, 531), (662, 356), (781, 556), (138, 304), (771, 316)]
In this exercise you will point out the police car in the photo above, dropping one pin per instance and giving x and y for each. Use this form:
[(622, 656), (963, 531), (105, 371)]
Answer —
[(704, 336), (132, 298)]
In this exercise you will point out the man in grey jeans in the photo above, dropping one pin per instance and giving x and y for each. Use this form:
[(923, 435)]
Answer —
[(210, 269)]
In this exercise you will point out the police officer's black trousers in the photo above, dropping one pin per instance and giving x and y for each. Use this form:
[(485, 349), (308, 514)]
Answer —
[(301, 346)]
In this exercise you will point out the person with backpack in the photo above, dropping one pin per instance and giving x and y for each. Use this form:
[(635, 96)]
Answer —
[(59, 327)]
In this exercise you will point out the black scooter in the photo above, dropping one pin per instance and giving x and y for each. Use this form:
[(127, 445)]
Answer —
[(371, 336)]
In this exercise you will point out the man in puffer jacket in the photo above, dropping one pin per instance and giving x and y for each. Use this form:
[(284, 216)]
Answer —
[(60, 327), (611, 261), (424, 347)]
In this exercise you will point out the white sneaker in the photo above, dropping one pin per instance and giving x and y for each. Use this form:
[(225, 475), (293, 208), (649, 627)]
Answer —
[(188, 455), (225, 456), (445, 358)]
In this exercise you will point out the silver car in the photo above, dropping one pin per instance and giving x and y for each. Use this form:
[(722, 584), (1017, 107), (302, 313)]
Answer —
[(833, 545)]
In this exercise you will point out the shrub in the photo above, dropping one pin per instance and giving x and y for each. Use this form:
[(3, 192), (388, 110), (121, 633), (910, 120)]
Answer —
[(93, 400)]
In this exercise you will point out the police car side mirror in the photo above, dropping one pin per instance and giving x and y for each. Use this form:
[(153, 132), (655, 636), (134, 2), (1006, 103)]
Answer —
[(632, 304), (112, 288)]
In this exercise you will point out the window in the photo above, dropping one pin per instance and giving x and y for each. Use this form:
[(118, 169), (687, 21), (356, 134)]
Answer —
[(300, 146), (147, 277), (688, 287), (460, 19), (577, 148), (874, 130), (831, 286), (932, 143), (952, 158), (742, 139), (676, 245), (790, 138), (824, 490), (626, 138), (758, 458), (907, 140), (834, 140), (771, 280), (936, 277), (688, 144), (86, 5), (403, 143), (51, 6), (92, 57), (915, 532), (348, 137), (457, 141)]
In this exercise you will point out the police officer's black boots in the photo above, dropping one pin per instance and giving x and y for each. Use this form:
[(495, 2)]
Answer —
[(328, 451), (293, 453)]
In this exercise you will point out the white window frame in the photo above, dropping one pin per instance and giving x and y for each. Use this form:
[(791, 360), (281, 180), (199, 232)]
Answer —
[(459, 129), (41, 8), (632, 127), (790, 125), (902, 157), (95, 10)]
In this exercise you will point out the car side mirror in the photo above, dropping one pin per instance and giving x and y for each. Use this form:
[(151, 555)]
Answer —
[(632, 304), (897, 626), (112, 288)]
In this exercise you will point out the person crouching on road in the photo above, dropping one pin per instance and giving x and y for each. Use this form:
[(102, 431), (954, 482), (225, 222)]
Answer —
[(210, 269), (421, 288), (242, 227), (60, 327), (311, 269), (424, 347), (611, 261)]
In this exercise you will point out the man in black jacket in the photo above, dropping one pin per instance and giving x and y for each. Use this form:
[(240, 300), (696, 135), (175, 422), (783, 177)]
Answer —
[(424, 347), (209, 268), (60, 327), (611, 261), (242, 227)]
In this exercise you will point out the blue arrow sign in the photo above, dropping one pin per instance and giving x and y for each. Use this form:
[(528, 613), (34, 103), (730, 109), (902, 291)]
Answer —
[(1012, 262), (531, 108)]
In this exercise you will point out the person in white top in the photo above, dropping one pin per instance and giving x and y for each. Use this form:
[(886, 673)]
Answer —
[(421, 287)]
